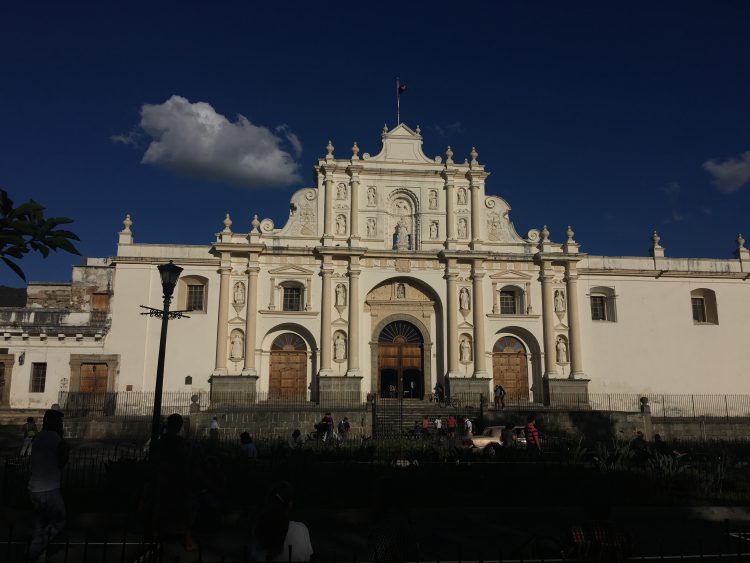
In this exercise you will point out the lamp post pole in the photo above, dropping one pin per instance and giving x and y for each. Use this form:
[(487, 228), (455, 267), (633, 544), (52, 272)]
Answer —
[(169, 274)]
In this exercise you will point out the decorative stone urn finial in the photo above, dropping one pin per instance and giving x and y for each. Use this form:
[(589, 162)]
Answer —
[(569, 233), (655, 238), (127, 223), (545, 234), (474, 154), (355, 151), (449, 155), (255, 223), (417, 130), (385, 128), (227, 224), (329, 151), (740, 241)]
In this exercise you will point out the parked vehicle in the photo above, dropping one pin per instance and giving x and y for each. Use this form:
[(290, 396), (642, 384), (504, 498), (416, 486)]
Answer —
[(490, 441)]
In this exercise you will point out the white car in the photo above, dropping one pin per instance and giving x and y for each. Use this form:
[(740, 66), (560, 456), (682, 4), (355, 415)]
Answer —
[(490, 441)]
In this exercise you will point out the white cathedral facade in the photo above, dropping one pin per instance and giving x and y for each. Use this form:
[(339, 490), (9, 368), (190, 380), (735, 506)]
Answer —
[(394, 272)]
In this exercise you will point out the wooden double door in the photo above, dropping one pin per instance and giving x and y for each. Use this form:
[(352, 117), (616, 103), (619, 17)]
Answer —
[(288, 367), (400, 361), (94, 378), (510, 367)]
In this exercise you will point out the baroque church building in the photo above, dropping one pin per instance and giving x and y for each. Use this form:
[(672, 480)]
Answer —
[(393, 273)]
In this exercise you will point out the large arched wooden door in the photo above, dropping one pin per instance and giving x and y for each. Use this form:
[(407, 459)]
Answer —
[(400, 354), (510, 367), (288, 370)]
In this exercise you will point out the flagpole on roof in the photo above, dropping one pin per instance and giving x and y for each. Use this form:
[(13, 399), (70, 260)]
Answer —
[(398, 102)]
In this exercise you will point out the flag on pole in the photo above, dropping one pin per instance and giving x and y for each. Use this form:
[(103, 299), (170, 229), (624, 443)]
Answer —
[(401, 89)]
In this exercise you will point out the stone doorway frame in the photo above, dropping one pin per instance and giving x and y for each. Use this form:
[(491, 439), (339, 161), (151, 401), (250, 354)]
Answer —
[(113, 369), (9, 360), (426, 350)]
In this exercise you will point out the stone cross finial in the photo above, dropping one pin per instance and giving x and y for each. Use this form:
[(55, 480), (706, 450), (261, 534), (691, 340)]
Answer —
[(569, 233), (329, 151), (127, 223), (545, 234), (227, 224), (255, 223), (355, 151), (449, 155), (474, 154)]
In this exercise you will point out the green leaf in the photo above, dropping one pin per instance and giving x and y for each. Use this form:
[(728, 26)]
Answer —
[(15, 268)]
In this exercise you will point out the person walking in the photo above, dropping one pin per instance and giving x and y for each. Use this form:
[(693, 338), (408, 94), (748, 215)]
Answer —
[(451, 424), (344, 428), (328, 421), (425, 426), (49, 456), (533, 445), (499, 397), (213, 430), (29, 431)]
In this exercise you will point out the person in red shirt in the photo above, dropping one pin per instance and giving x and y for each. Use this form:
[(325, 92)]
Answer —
[(425, 426), (533, 446), (451, 424)]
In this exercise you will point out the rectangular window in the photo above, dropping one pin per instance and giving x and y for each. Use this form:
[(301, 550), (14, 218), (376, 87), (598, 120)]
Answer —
[(38, 377), (699, 309), (598, 308), (507, 303), (195, 295), (292, 299)]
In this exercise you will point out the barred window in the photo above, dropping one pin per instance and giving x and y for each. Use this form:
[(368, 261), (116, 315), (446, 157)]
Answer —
[(507, 303), (292, 299), (195, 298), (703, 303), (38, 377), (598, 308), (603, 304)]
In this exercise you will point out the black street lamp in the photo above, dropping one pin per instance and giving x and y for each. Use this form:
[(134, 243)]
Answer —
[(169, 275)]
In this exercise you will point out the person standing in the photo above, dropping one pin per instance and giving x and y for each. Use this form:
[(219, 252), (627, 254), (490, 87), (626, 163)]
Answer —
[(468, 428), (328, 421), (49, 456), (276, 537), (344, 428), (213, 431), (29, 431), (438, 425), (533, 445), (248, 449), (451, 424), (425, 426)]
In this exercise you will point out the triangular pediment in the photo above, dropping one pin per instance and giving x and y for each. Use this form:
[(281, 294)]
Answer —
[(403, 130), (291, 270), (511, 275), (402, 144)]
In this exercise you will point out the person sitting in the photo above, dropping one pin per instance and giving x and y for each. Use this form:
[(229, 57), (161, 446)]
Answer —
[(295, 440)]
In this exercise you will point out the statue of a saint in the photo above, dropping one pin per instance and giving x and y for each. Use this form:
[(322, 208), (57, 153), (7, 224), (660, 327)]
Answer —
[(340, 295), (562, 351), (402, 236), (371, 227), (559, 301), (341, 191), (462, 228), (237, 348), (465, 355), (400, 291), (371, 195), (433, 199), (462, 196), (433, 229), (340, 225), (339, 348), (239, 293), (463, 299)]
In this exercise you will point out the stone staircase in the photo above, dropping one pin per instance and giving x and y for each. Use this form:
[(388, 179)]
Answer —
[(394, 418)]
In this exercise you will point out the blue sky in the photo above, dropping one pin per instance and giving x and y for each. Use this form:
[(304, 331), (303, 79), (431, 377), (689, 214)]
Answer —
[(615, 117)]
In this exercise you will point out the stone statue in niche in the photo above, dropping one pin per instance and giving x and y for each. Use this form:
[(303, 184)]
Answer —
[(340, 295), (371, 227), (237, 348), (371, 194), (239, 293), (400, 291), (402, 236), (402, 207), (461, 196), (464, 300), (465, 351), (559, 301), (462, 228), (339, 348), (434, 229), (341, 191), (433, 199), (562, 351), (340, 225)]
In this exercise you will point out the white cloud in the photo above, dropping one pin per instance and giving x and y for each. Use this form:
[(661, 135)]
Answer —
[(194, 140), (444, 131), (730, 175), (672, 191)]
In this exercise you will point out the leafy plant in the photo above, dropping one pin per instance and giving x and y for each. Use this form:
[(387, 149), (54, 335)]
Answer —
[(24, 228)]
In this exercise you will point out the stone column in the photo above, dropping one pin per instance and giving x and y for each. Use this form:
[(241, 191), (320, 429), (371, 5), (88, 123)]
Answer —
[(353, 337), (354, 213), (450, 216), (452, 312), (574, 321), (328, 210), (548, 317), (325, 323), (251, 317), (475, 212), (480, 359), (223, 320)]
